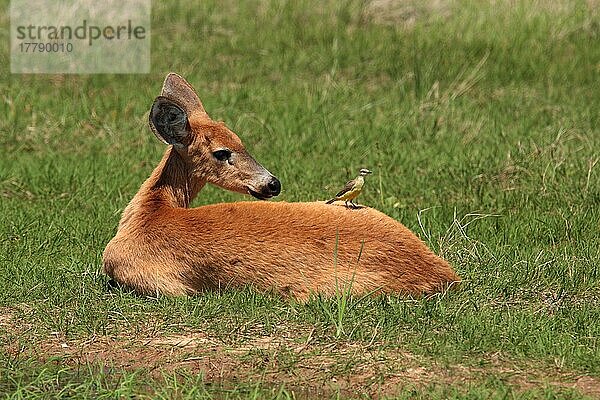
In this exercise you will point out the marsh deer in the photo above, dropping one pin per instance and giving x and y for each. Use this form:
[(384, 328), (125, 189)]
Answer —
[(295, 249)]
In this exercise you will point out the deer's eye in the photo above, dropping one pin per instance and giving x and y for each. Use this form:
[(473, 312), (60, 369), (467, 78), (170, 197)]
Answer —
[(222, 154)]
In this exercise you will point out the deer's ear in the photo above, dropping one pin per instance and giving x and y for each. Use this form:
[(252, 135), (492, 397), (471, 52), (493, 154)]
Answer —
[(177, 88), (169, 122)]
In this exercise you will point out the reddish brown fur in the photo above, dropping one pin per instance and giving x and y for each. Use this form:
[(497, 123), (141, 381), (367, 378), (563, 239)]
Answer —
[(296, 249)]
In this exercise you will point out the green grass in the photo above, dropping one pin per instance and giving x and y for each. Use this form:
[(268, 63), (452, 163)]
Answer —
[(480, 122)]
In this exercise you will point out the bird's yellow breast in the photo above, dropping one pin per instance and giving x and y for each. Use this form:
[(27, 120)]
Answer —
[(355, 191), (351, 194)]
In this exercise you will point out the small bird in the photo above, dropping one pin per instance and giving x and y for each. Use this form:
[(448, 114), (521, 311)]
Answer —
[(352, 189)]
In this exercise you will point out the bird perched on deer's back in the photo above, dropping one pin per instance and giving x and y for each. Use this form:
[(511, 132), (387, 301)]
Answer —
[(352, 189)]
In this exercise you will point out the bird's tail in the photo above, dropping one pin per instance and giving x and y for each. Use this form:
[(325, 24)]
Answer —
[(330, 201)]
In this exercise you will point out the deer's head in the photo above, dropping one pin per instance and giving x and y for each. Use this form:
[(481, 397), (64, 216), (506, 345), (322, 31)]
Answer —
[(212, 151)]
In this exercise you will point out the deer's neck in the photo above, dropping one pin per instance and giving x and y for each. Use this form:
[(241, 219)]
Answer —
[(170, 185)]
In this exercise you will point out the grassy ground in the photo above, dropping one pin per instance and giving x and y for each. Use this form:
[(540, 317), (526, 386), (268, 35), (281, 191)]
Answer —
[(480, 123)]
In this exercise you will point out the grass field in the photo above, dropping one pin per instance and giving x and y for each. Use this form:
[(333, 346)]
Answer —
[(481, 124)]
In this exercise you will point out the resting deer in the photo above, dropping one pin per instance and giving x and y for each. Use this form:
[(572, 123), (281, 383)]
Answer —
[(295, 249)]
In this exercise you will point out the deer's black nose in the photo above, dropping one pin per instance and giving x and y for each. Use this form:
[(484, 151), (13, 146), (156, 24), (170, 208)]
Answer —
[(274, 186)]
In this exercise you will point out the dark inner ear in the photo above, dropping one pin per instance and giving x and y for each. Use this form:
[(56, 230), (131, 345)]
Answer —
[(169, 122)]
